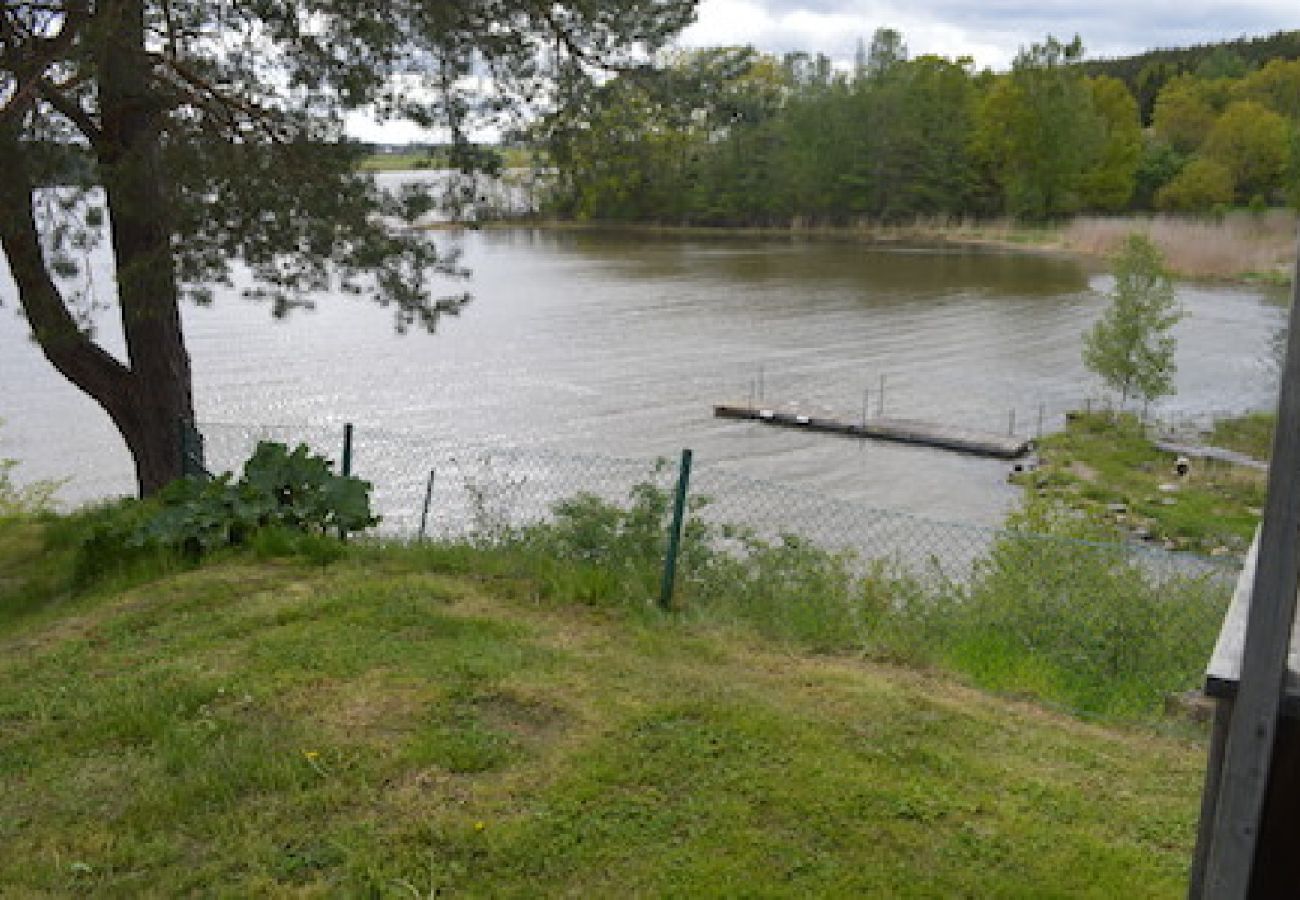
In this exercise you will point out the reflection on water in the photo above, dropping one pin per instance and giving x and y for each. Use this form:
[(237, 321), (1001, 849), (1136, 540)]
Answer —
[(620, 344)]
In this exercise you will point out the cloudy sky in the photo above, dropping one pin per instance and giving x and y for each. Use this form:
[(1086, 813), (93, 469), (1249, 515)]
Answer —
[(989, 30)]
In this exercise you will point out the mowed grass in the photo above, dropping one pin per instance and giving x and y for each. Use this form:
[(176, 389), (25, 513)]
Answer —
[(394, 724)]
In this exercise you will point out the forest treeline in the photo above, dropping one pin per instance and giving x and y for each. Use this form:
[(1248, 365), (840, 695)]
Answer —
[(729, 136)]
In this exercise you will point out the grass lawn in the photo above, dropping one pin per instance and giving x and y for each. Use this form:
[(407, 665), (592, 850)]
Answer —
[(1098, 462), (394, 724)]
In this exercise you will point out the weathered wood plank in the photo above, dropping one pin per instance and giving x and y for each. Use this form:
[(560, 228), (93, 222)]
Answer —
[(1216, 453), (905, 431), (1268, 633), (1223, 674)]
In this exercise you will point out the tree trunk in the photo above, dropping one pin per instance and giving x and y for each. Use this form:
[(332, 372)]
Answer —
[(129, 155), (149, 396)]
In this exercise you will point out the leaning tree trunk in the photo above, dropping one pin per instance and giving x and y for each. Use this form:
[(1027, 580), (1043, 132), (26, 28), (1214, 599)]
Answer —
[(150, 395), (159, 394)]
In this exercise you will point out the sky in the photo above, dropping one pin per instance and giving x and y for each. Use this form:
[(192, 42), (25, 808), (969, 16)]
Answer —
[(990, 31)]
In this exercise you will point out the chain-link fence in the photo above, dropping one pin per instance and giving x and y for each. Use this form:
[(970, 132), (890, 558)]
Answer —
[(422, 487), (1107, 624)]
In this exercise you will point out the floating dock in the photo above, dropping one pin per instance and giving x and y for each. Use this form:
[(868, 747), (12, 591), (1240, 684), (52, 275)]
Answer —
[(905, 431)]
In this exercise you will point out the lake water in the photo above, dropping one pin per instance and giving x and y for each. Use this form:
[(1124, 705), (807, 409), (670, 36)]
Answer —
[(619, 345)]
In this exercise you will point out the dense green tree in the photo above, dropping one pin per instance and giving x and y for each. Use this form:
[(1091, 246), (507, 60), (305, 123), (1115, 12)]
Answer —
[(1130, 346), (886, 53), (213, 132), (1254, 144), (1158, 165), (1203, 184), (1183, 113), (1108, 184), (1038, 126), (1277, 86), (1148, 84), (1223, 62)]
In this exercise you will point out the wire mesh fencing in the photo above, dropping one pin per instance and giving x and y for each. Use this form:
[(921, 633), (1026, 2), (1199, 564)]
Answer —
[(1109, 625), (448, 491)]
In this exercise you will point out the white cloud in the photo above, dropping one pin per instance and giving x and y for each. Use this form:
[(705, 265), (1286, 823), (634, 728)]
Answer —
[(990, 31)]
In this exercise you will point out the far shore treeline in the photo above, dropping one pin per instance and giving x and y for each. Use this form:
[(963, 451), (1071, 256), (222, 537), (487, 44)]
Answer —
[(730, 136)]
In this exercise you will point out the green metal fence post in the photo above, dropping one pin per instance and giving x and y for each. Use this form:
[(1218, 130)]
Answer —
[(346, 467), (347, 448), (428, 498), (675, 532), (191, 449)]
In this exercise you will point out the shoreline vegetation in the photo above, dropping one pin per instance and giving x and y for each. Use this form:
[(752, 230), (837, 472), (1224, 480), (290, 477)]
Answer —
[(1106, 466), (1239, 248)]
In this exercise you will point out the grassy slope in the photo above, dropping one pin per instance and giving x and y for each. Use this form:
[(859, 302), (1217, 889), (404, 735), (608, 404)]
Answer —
[(383, 725)]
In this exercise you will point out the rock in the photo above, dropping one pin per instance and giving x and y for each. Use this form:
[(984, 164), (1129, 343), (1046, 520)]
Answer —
[(1220, 551), (1190, 705), (1168, 501), (1116, 508), (1168, 488), (1142, 533)]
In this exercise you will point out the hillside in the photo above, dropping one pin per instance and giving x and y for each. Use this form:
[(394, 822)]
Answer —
[(393, 723), (1253, 52)]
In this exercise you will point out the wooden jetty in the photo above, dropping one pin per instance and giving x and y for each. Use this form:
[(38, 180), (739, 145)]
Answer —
[(904, 431), (1218, 454)]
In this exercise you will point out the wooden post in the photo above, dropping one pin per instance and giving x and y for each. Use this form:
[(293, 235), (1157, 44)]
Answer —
[(1249, 750), (880, 403), (1209, 797)]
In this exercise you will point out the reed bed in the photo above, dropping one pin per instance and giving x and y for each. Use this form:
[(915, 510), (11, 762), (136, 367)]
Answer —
[(1231, 246)]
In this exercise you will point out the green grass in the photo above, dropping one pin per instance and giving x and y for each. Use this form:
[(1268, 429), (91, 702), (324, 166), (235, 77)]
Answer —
[(1251, 434), (1099, 461), (402, 723)]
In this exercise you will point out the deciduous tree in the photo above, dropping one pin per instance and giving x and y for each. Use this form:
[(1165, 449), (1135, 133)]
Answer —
[(1130, 346), (211, 130)]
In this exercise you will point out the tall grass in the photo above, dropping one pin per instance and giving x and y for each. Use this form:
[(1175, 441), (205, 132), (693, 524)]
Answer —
[(1071, 620), (1228, 246)]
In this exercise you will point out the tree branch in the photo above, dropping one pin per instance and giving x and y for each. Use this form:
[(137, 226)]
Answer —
[(68, 348)]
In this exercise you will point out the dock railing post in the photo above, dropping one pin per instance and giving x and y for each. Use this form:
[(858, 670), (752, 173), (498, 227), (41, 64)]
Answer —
[(675, 533), (1011, 423), (880, 401), (760, 384)]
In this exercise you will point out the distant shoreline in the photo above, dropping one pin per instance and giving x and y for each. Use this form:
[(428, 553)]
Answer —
[(1236, 249)]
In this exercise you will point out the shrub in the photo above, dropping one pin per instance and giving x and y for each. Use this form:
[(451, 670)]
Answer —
[(294, 490), (285, 504)]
